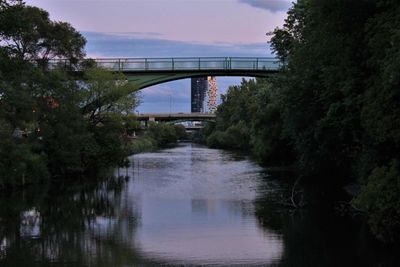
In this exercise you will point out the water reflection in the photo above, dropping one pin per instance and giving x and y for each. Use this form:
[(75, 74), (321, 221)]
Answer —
[(73, 227), (175, 231), (183, 206), (200, 211), (319, 237), (30, 223)]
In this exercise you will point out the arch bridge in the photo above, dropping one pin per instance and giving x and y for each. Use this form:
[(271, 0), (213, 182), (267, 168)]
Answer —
[(145, 72)]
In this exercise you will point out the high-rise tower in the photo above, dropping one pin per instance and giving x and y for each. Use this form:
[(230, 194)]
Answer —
[(211, 98), (204, 94), (198, 93)]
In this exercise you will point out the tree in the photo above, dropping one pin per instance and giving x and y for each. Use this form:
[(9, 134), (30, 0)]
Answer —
[(380, 198), (271, 144), (106, 93), (43, 105), (284, 41), (340, 96), (180, 131), (378, 165), (322, 82), (29, 34), (162, 133), (250, 119)]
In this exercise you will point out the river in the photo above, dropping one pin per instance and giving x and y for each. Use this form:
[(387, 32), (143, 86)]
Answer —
[(184, 206)]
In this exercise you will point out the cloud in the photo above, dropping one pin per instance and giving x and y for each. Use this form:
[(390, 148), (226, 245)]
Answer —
[(137, 34), (271, 5), (135, 45)]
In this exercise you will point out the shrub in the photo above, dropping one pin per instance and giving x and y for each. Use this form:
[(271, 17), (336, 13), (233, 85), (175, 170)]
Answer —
[(380, 198)]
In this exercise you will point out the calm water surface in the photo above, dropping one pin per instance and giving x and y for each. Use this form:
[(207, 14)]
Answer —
[(185, 206), (197, 207)]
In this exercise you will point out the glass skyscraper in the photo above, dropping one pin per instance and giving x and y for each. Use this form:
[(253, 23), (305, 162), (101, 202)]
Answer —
[(199, 86), (204, 94)]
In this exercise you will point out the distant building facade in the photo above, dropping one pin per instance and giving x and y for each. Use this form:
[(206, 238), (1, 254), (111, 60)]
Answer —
[(204, 94), (211, 97)]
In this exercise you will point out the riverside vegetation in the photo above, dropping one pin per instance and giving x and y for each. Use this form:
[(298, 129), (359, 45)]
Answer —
[(158, 135), (52, 123), (333, 111)]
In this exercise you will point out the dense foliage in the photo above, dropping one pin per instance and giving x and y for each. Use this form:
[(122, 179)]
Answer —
[(334, 106), (53, 123), (249, 119), (158, 135)]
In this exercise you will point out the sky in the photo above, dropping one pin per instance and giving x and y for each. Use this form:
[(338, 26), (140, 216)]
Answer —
[(171, 28)]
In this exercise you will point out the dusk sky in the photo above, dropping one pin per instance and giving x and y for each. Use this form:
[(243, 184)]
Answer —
[(171, 28)]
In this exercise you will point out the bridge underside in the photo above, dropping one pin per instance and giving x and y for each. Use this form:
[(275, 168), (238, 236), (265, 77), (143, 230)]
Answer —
[(148, 78)]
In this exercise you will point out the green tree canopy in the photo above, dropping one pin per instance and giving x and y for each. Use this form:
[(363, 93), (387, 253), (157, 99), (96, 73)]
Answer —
[(43, 131), (28, 33), (105, 93)]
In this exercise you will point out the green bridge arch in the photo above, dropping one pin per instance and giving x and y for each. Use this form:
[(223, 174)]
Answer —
[(145, 72)]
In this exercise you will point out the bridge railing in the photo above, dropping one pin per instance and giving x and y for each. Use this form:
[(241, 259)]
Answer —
[(183, 64)]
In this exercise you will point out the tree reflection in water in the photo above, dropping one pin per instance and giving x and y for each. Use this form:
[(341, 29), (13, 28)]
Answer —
[(78, 226), (317, 236)]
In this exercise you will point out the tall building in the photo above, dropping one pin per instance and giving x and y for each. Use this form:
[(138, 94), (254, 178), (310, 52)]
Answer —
[(199, 88), (204, 94), (212, 91)]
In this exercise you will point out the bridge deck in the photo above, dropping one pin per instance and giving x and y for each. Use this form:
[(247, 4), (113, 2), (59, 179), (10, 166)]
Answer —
[(157, 65)]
